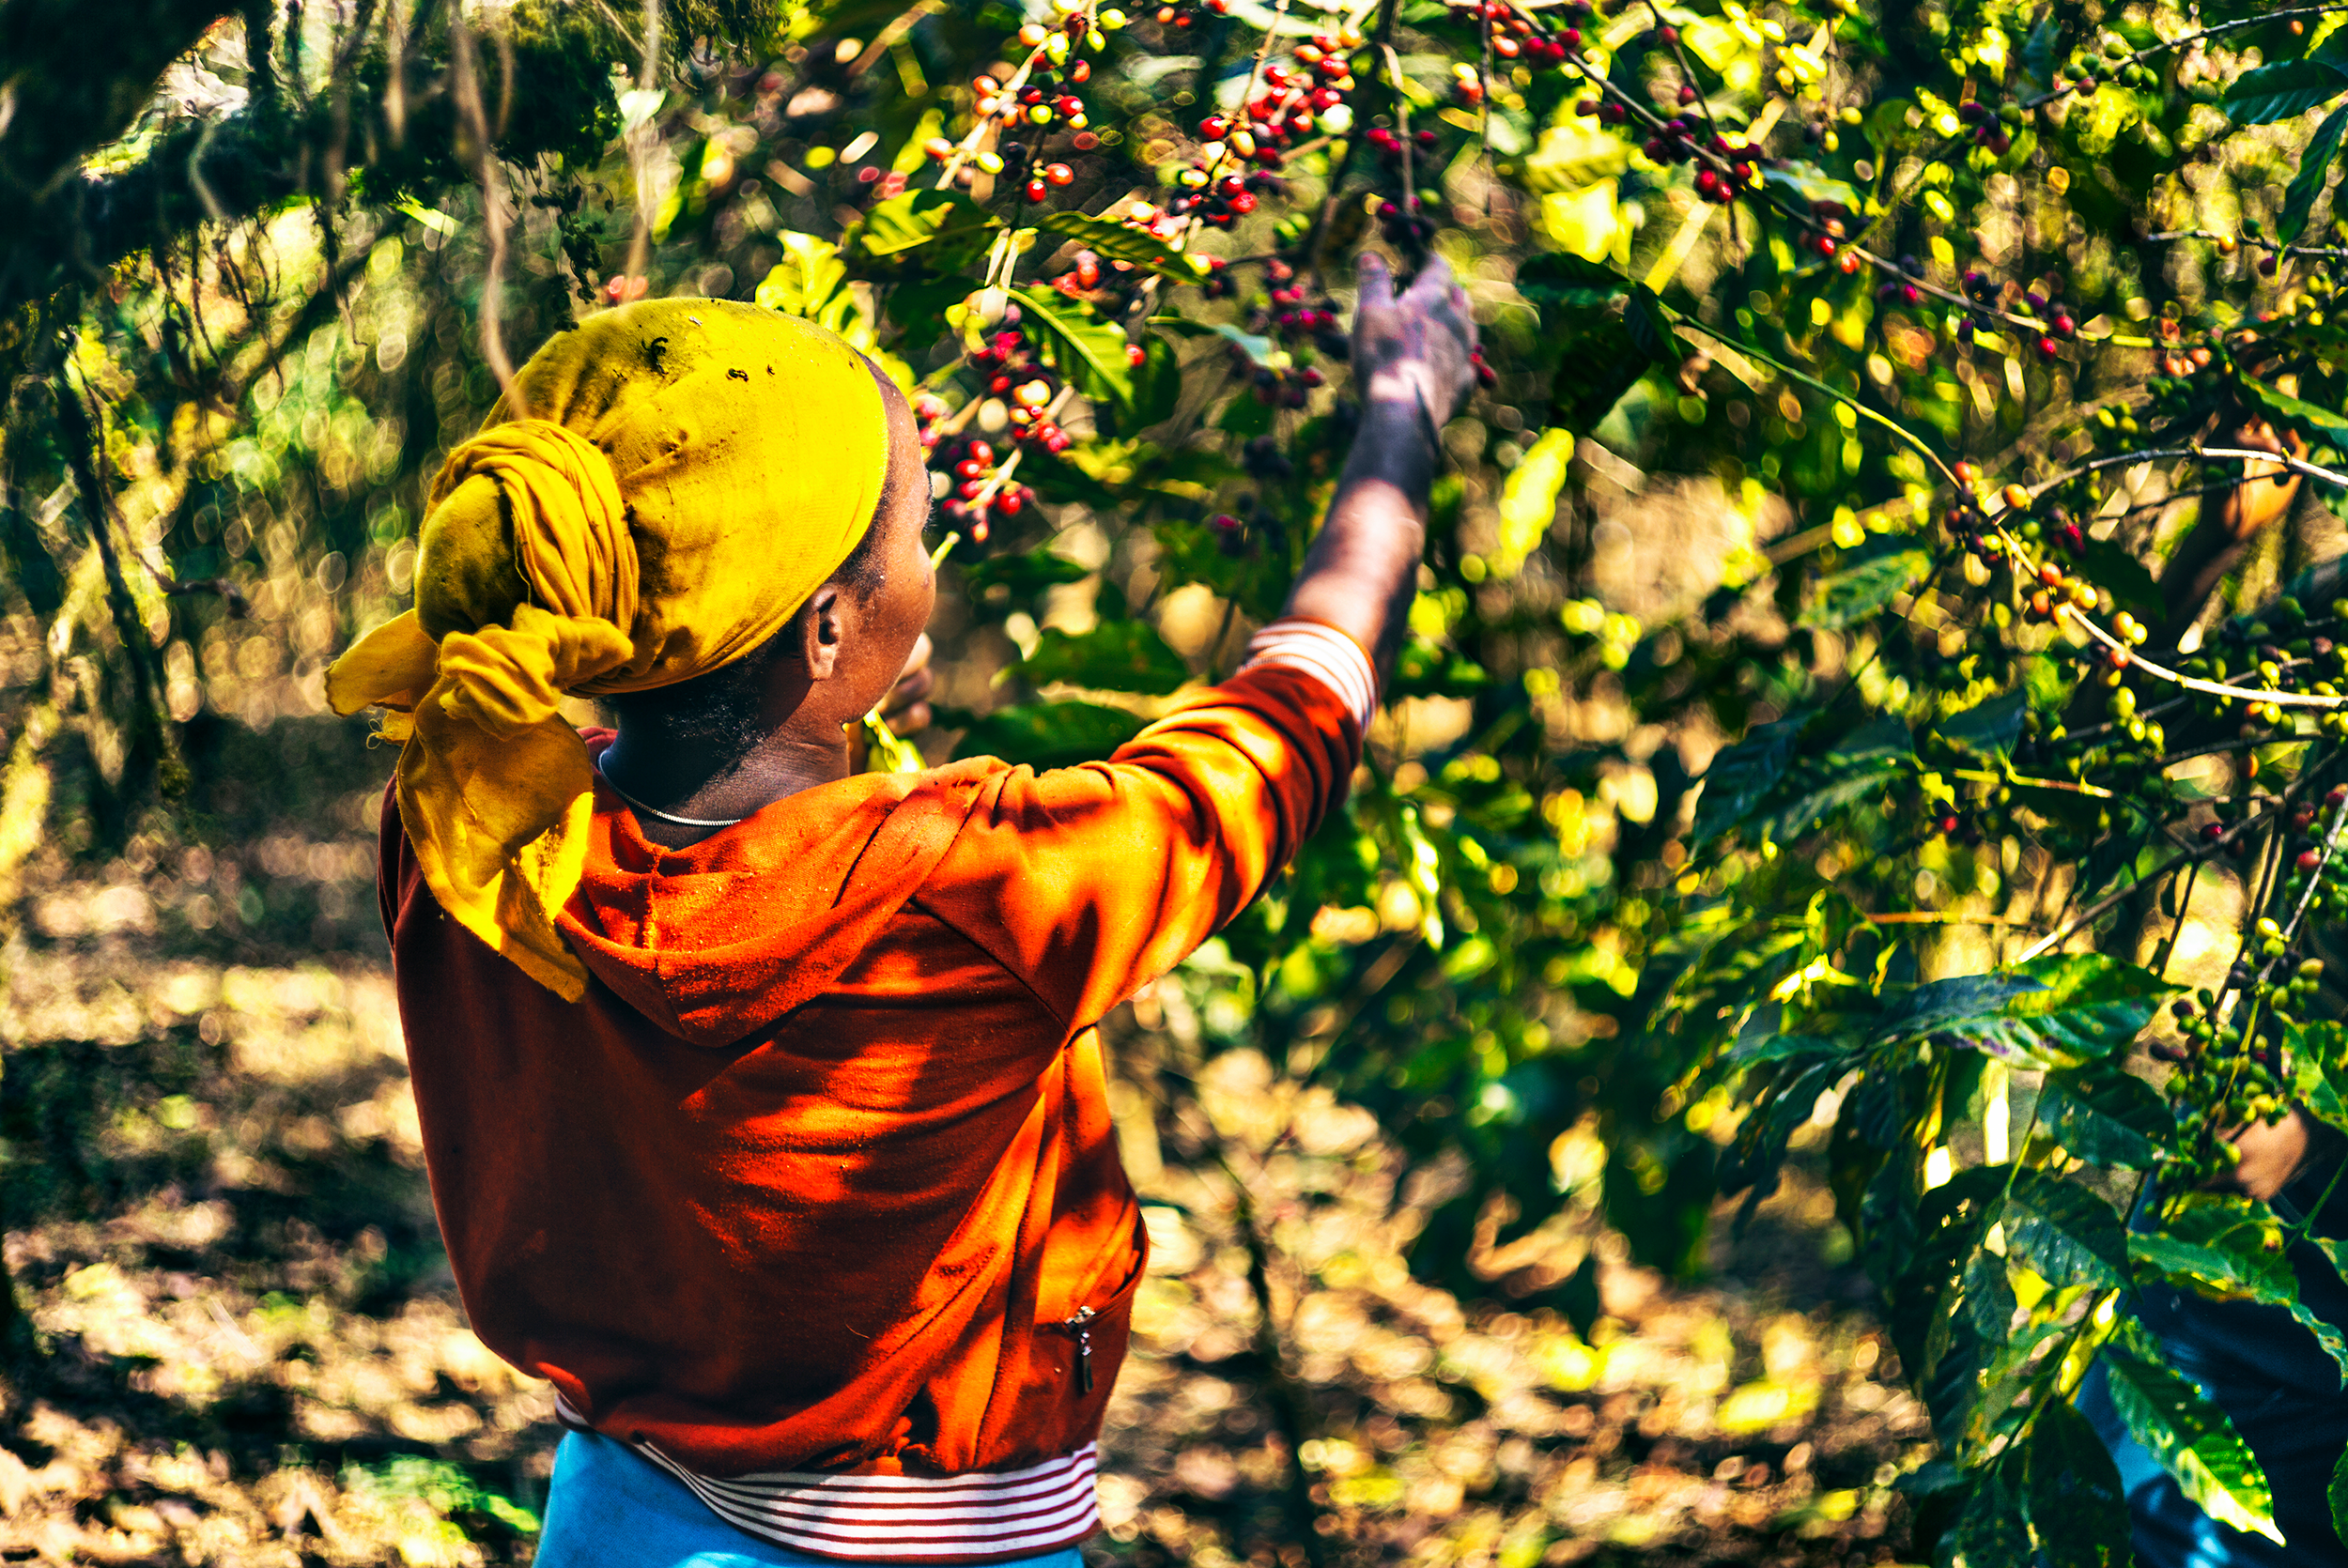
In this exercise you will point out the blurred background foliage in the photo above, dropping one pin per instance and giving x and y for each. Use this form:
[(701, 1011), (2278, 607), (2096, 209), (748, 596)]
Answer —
[(266, 265)]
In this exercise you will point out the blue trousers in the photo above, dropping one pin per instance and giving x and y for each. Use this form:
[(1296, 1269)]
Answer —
[(609, 1507)]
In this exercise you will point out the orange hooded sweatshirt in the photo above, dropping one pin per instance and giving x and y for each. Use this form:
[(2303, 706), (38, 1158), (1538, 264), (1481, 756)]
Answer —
[(819, 1178)]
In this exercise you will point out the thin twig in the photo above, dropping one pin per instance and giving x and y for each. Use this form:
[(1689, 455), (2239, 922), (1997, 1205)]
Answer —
[(493, 218)]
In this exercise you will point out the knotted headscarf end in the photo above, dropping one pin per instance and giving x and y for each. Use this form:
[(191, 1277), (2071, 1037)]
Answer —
[(748, 490)]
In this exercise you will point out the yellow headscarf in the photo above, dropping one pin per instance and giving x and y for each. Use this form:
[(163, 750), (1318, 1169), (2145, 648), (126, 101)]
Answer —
[(697, 469)]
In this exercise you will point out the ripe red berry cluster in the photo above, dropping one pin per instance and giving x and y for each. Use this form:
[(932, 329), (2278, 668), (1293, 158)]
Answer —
[(1291, 313), (1903, 287), (970, 465), (1389, 147), (2177, 357), (1281, 387), (1180, 16), (1516, 37), (1409, 231), (1225, 199), (1679, 142), (1083, 278)]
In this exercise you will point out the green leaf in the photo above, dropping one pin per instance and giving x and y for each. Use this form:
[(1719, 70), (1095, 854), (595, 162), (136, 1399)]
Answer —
[(1079, 345), (1114, 655), (1990, 1532), (2315, 169), (1808, 183), (1990, 727), (1114, 241), (1157, 383), (1555, 279), (1045, 735), (1869, 578), (1246, 415), (956, 225), (1422, 867), (1842, 770), (809, 281), (1989, 1296), (1061, 477), (2108, 563), (1598, 365), (2190, 1436), (2063, 1231), (2077, 1503), (1425, 669), (1528, 499), (1651, 326), (1024, 575), (2059, 1011), (1740, 775), (2281, 91), (1257, 348), (2338, 1493), (2038, 49), (2322, 422), (2106, 1115), (2315, 1087), (2227, 1245), (919, 306)]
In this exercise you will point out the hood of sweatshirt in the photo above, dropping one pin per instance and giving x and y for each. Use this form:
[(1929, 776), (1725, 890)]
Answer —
[(717, 941)]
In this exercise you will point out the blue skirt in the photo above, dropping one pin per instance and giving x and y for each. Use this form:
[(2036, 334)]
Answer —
[(610, 1507)]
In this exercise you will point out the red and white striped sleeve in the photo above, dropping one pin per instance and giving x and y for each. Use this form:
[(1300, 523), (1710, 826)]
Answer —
[(1326, 655)]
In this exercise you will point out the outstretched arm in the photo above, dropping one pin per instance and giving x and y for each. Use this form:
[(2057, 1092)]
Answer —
[(1413, 365)]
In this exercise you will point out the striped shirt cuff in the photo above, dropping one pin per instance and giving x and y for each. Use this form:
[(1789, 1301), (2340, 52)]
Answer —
[(1326, 655)]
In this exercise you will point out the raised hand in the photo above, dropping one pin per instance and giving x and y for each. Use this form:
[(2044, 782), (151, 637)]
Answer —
[(907, 706), (1415, 346)]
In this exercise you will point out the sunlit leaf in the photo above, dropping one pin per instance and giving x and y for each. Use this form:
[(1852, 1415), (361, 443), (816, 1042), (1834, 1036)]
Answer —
[(2059, 1009), (1528, 501), (2063, 1231), (1116, 241), (2192, 1438), (2106, 1115), (1829, 775), (1422, 867), (1990, 727), (809, 281), (1867, 580), (952, 222), (2315, 169), (1089, 351), (2223, 1244), (2281, 91)]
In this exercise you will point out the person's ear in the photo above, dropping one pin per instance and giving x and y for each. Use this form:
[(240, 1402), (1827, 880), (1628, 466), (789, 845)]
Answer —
[(823, 632)]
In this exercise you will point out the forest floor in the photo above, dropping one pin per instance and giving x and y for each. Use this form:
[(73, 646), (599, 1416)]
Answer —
[(217, 1217)]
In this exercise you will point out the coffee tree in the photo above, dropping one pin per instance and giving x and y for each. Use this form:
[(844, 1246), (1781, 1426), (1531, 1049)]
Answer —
[(1998, 340)]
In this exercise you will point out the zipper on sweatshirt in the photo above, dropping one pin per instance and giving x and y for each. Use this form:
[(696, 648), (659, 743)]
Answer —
[(1081, 1326)]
